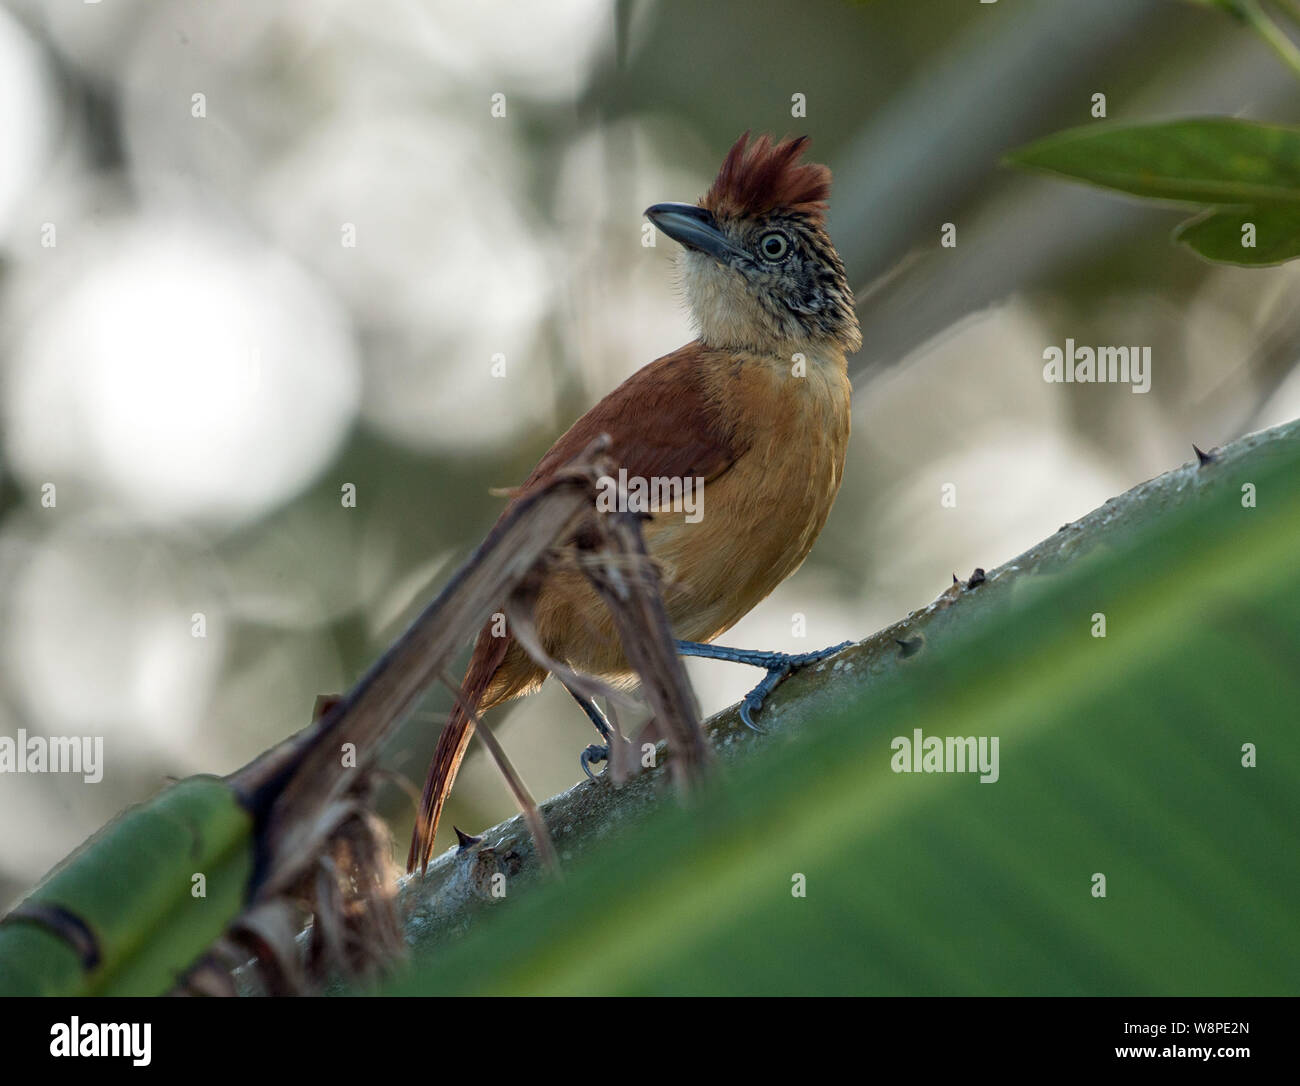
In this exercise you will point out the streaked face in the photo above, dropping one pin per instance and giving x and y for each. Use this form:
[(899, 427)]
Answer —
[(763, 282)]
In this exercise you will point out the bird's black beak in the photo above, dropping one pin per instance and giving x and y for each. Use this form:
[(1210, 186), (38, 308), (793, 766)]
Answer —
[(693, 227)]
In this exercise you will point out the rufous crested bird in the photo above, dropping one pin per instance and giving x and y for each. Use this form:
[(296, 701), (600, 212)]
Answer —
[(757, 407)]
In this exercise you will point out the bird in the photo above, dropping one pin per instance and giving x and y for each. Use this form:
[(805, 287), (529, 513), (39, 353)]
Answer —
[(754, 410)]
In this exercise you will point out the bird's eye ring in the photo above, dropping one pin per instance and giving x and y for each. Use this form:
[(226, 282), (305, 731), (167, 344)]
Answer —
[(774, 246)]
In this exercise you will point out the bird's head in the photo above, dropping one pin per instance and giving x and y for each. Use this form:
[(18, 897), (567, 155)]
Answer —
[(758, 269)]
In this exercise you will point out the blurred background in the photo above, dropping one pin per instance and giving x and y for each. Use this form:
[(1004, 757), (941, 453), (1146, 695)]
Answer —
[(252, 254)]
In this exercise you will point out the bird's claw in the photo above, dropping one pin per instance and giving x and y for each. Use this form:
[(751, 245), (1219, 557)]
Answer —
[(594, 753), (776, 675), (752, 704)]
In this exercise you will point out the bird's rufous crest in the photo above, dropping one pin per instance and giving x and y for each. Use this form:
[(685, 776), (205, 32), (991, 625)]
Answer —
[(761, 176)]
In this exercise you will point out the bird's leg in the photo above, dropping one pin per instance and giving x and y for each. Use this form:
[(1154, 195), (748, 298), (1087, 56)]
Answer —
[(596, 752), (779, 667)]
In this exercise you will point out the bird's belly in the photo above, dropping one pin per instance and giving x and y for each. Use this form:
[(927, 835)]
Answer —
[(752, 527), (756, 525)]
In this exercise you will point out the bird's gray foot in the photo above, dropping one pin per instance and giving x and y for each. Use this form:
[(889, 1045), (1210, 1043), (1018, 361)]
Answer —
[(597, 752), (778, 665)]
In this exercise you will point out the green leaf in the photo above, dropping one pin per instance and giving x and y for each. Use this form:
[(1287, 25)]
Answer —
[(1217, 233), (1212, 160), (1120, 755)]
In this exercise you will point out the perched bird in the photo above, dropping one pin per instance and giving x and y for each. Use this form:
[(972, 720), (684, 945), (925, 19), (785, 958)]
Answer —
[(757, 407)]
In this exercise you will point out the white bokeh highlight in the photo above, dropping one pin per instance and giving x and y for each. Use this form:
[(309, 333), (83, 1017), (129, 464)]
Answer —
[(182, 373)]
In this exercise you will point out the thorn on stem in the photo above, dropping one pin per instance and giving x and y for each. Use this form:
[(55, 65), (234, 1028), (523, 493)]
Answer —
[(324, 703), (909, 646), (465, 841)]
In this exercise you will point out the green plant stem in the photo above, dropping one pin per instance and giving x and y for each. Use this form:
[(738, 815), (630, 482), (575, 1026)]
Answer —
[(1262, 23), (1290, 7)]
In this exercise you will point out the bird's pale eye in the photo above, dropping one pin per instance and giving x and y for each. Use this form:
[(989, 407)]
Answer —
[(774, 246)]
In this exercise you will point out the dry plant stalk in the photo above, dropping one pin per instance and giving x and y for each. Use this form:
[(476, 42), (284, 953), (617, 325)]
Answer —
[(322, 852), (628, 581)]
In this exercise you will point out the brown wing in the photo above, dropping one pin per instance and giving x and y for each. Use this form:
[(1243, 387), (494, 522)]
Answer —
[(664, 421)]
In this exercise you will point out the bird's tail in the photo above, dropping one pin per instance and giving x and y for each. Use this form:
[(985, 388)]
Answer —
[(489, 652)]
